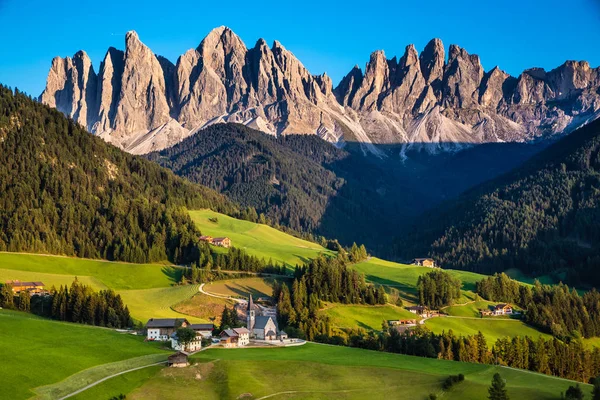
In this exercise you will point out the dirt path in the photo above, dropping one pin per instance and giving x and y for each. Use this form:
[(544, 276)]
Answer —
[(109, 377), (219, 296)]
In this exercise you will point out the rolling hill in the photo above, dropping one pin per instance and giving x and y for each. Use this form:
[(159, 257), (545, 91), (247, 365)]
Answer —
[(64, 191), (540, 218)]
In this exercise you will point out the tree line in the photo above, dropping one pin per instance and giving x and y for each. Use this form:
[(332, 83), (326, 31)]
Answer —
[(323, 279), (78, 303), (555, 309)]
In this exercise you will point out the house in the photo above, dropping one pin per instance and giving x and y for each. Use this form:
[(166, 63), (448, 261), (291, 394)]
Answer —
[(31, 287), (178, 360), (193, 346), (424, 262), (207, 239), (419, 310), (235, 337), (162, 328), (502, 309), (204, 330), (262, 327), (222, 242)]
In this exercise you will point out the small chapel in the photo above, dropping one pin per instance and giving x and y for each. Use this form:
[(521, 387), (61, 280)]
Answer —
[(262, 327)]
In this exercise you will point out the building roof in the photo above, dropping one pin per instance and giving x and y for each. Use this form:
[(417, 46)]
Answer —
[(180, 356), (202, 327), (220, 239), (165, 322), (502, 305), (423, 259), (241, 331), (416, 308), (229, 332), (261, 322), (19, 283)]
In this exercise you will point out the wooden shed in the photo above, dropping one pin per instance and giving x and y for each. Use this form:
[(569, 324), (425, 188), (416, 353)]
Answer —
[(178, 360)]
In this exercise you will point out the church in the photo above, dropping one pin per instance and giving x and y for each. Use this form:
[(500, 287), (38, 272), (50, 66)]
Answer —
[(262, 327)]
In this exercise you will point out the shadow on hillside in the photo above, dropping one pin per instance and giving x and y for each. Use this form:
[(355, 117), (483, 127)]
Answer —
[(174, 274), (382, 198)]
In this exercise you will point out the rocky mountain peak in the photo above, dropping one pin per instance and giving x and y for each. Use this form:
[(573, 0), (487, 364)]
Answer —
[(143, 102), (432, 61)]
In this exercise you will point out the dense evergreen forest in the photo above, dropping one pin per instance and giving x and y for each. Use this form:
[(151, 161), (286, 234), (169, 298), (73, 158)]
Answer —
[(540, 218), (296, 181), (555, 309), (64, 191)]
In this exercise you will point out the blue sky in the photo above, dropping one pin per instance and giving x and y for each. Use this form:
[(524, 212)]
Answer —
[(325, 35)]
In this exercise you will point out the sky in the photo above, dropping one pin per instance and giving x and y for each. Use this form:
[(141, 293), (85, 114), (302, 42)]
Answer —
[(326, 36)]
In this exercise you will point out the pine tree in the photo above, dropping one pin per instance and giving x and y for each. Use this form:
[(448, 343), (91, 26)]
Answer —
[(596, 390), (497, 390)]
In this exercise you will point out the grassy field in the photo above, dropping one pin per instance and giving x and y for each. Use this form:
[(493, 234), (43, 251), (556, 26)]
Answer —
[(159, 303), (204, 307), (121, 384), (258, 287), (258, 240), (492, 328), (103, 274), (368, 317), (328, 372), (404, 277), (38, 352)]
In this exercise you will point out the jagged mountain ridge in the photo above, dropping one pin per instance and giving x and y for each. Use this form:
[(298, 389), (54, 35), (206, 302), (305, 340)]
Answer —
[(142, 102)]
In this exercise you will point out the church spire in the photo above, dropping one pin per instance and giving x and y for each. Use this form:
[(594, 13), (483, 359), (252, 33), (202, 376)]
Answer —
[(250, 303)]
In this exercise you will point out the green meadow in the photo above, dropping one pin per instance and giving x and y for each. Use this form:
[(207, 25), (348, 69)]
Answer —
[(328, 372), (159, 303), (367, 317), (38, 352), (492, 328), (101, 274), (259, 240)]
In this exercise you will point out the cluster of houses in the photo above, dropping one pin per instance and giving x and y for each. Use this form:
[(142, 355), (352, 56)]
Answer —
[(423, 311), (498, 309), (261, 325), (218, 241), (33, 288)]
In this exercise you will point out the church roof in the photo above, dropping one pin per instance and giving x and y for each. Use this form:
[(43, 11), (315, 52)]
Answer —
[(261, 322)]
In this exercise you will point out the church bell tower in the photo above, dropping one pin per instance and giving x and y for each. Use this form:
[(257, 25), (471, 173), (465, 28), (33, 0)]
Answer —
[(250, 315)]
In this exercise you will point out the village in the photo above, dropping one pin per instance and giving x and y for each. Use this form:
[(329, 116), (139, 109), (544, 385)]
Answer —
[(256, 324)]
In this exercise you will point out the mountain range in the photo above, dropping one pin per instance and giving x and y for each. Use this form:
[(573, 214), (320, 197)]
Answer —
[(430, 101)]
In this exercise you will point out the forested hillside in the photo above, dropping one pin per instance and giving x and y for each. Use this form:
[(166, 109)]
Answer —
[(64, 191), (541, 218), (299, 181)]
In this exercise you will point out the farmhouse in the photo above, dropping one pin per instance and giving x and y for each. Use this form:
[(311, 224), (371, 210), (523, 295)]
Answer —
[(423, 311), (503, 309), (204, 330), (178, 360), (207, 239), (162, 328), (193, 346), (31, 287), (235, 337), (402, 322), (222, 242), (424, 262)]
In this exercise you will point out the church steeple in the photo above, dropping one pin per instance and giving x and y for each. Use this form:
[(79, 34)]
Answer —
[(250, 315)]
